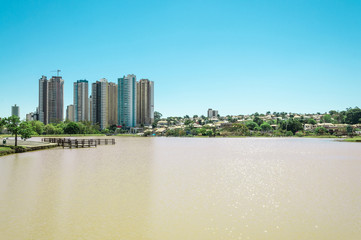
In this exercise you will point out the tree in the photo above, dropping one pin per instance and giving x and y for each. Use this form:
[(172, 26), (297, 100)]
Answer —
[(266, 127), (59, 129), (209, 132), (2, 124), (82, 127), (157, 116), (188, 121), (327, 118), (38, 127), (25, 130), (258, 120), (353, 115), (292, 125), (311, 121), (289, 133), (49, 129), (112, 128), (12, 124), (349, 130), (71, 128), (201, 131), (251, 125), (332, 112), (105, 131), (16, 127), (321, 131), (195, 116)]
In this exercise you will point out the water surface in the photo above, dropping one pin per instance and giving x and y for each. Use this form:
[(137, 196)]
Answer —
[(184, 188)]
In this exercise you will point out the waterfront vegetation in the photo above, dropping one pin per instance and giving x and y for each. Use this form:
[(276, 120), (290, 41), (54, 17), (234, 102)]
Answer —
[(355, 139), (6, 151), (279, 124)]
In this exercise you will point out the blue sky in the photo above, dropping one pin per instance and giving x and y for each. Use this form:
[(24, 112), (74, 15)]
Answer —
[(235, 56)]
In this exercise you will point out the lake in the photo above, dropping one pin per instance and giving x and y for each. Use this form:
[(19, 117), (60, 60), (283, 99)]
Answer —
[(184, 188)]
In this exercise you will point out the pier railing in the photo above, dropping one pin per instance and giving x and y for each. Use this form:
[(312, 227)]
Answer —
[(77, 143)]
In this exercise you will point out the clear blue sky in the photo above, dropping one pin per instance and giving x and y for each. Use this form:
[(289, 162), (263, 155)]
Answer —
[(235, 56)]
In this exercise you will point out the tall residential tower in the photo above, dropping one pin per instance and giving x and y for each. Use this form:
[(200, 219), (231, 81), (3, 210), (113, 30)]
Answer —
[(100, 103), (81, 101), (15, 111), (145, 102), (43, 100), (127, 93), (112, 103), (55, 99)]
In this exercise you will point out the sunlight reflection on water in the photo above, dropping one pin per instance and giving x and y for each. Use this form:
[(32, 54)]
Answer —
[(184, 188)]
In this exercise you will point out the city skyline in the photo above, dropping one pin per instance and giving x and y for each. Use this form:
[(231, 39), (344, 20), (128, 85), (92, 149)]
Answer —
[(239, 57), (107, 104)]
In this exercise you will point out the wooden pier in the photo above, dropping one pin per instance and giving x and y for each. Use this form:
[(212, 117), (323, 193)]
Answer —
[(79, 143)]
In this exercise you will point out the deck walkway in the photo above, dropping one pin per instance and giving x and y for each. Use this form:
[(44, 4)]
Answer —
[(79, 143)]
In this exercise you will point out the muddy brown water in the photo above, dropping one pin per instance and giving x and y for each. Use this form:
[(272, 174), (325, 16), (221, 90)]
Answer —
[(184, 188)]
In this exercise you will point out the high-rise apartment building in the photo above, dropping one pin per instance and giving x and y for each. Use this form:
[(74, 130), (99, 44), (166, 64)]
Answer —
[(55, 99), (145, 102), (70, 113), (43, 100), (212, 113), (127, 93), (33, 116), (81, 100), (15, 111), (112, 103), (29, 117), (90, 108), (100, 103)]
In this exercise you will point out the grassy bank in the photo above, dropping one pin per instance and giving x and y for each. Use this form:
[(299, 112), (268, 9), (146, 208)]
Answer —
[(355, 139), (127, 135), (322, 136), (6, 151)]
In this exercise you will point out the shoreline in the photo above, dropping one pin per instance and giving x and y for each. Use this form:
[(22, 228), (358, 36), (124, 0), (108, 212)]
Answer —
[(10, 149), (354, 139)]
